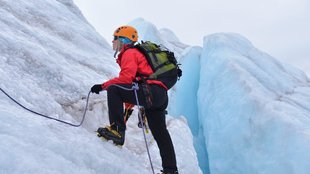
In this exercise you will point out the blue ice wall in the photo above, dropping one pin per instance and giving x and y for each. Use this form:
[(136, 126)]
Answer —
[(184, 102)]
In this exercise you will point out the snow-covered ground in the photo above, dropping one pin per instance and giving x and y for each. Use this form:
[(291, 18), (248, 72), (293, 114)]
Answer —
[(49, 58)]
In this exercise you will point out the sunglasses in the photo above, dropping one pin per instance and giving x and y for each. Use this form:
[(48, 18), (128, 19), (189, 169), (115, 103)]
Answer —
[(116, 37)]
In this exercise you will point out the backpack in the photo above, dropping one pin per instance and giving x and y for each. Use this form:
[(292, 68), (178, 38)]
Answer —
[(162, 61)]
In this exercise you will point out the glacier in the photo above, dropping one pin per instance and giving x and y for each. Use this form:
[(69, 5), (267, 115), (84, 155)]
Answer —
[(50, 56), (235, 110), (250, 111)]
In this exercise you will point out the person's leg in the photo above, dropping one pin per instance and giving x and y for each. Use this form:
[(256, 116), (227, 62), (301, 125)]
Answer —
[(116, 97), (157, 122)]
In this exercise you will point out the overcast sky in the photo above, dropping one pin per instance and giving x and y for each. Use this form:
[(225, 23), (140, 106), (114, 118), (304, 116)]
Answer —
[(279, 27)]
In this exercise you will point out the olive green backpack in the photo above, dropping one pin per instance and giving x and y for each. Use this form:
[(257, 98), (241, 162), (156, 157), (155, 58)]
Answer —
[(162, 61)]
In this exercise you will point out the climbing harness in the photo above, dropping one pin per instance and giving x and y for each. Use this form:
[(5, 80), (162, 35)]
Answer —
[(45, 116), (135, 88)]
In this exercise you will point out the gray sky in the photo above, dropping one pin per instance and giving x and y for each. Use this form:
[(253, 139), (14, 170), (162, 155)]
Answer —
[(279, 27)]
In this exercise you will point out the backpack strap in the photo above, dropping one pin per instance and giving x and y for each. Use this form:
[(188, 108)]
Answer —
[(146, 54)]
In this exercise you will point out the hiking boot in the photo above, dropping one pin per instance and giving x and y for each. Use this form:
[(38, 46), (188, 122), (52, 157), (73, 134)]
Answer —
[(111, 133), (169, 172)]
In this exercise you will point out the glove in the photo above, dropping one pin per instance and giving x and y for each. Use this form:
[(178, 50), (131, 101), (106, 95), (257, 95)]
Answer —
[(96, 88)]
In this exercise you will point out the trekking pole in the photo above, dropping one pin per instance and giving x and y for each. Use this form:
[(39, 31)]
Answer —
[(135, 88)]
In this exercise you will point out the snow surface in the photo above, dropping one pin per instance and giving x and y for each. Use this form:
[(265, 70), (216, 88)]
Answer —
[(49, 58), (253, 111)]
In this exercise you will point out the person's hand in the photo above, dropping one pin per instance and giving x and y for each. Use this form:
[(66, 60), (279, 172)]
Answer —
[(96, 88)]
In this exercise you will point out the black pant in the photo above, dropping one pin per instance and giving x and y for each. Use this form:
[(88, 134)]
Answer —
[(155, 116)]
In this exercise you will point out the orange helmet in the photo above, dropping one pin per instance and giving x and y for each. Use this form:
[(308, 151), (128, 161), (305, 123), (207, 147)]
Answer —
[(127, 31)]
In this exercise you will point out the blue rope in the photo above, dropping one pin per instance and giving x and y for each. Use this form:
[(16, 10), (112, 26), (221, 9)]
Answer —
[(45, 116)]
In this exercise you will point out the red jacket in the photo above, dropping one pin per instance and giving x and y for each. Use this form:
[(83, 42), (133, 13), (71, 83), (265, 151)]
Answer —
[(131, 62)]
